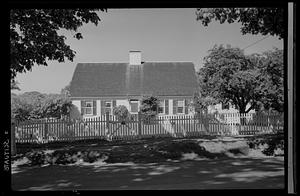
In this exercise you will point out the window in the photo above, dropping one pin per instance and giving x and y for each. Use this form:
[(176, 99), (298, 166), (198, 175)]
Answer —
[(161, 107), (180, 107), (134, 106), (87, 108), (108, 107)]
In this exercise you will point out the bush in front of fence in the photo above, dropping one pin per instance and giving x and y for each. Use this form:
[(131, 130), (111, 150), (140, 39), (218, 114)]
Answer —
[(63, 157), (176, 149), (270, 145)]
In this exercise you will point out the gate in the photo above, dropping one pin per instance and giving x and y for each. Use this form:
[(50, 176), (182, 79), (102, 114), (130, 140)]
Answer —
[(117, 129)]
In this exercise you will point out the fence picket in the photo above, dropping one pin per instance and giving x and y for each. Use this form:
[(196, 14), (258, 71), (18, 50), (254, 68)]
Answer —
[(180, 125)]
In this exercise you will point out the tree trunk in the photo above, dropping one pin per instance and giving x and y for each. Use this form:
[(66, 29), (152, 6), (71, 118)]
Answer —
[(242, 114)]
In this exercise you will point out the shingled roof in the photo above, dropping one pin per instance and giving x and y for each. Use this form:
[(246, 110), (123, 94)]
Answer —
[(122, 79)]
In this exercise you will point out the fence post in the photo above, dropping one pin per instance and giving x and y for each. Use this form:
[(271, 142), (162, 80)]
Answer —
[(107, 123), (13, 138), (46, 129), (139, 125)]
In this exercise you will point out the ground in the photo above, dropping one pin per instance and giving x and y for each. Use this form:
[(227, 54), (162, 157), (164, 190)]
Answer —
[(165, 163)]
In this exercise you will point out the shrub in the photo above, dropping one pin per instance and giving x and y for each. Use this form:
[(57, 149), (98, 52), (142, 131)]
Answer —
[(149, 108), (64, 158), (36, 157), (121, 112), (269, 144), (91, 156), (175, 150)]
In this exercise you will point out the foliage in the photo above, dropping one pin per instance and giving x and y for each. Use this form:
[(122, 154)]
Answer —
[(121, 112), (14, 85), (176, 149), (271, 143), (35, 105), (66, 91), (201, 103), (37, 157), (254, 20), (55, 106), (26, 106), (149, 107), (34, 37), (64, 157), (230, 76), (271, 78)]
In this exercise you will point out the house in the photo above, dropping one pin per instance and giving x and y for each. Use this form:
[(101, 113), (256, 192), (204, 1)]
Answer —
[(225, 108), (96, 88)]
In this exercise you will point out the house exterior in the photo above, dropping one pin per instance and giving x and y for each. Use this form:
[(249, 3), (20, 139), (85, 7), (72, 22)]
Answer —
[(96, 88), (225, 108)]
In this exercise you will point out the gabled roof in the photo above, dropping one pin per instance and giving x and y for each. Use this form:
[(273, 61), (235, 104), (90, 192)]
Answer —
[(122, 79)]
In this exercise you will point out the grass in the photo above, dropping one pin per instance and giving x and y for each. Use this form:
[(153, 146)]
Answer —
[(145, 150)]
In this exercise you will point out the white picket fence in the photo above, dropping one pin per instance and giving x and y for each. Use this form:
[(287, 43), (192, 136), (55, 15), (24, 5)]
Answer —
[(43, 131)]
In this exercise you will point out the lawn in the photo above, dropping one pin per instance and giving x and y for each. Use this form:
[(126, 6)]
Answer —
[(208, 162)]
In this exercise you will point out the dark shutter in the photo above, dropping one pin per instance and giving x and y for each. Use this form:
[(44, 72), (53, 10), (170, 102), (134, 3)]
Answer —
[(82, 104), (114, 103), (186, 106), (102, 107), (94, 107), (174, 106), (166, 106)]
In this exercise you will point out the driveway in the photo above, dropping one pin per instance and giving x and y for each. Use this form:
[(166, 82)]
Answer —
[(225, 173)]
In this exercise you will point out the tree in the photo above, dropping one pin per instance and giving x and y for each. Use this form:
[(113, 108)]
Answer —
[(35, 105), (14, 85), (149, 107), (34, 37), (271, 68), (254, 20), (247, 82), (55, 106), (201, 103), (66, 91), (122, 113)]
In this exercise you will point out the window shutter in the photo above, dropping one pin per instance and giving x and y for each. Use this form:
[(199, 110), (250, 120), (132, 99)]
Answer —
[(166, 106), (102, 107), (94, 107), (82, 104), (114, 104), (186, 106), (174, 106)]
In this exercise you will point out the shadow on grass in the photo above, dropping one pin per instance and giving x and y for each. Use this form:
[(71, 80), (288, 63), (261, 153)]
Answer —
[(222, 173), (98, 142)]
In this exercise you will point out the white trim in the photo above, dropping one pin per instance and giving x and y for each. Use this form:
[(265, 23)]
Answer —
[(183, 106), (111, 106), (135, 101), (85, 108), (98, 108), (162, 105)]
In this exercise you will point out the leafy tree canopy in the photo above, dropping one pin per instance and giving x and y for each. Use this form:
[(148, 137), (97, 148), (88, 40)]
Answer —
[(149, 105), (254, 20), (201, 103), (35, 105), (255, 81), (66, 90), (34, 37), (121, 112), (14, 85)]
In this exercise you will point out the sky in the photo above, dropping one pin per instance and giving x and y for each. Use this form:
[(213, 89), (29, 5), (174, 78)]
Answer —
[(160, 34)]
